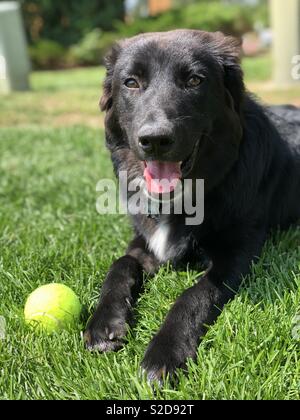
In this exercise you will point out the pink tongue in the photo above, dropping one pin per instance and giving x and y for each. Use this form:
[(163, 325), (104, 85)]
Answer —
[(161, 177)]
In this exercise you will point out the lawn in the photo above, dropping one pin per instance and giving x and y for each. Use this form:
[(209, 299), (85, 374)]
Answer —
[(52, 154)]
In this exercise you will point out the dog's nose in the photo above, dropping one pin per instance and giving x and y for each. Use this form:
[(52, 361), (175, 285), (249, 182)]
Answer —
[(158, 142)]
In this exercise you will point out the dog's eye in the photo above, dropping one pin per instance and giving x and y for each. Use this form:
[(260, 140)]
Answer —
[(132, 83), (193, 81)]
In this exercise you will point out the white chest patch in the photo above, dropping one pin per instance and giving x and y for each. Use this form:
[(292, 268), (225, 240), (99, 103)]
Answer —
[(158, 243)]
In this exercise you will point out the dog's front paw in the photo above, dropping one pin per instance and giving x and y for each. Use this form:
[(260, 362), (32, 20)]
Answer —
[(163, 356), (106, 334)]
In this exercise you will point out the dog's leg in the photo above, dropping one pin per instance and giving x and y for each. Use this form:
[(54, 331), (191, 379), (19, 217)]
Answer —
[(199, 306), (108, 326)]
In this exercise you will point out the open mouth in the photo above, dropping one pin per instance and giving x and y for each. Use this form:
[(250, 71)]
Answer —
[(162, 177)]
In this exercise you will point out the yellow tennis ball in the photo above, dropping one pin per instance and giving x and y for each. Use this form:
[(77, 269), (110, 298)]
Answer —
[(52, 307)]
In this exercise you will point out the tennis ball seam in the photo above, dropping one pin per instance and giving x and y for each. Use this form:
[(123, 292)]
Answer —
[(43, 314)]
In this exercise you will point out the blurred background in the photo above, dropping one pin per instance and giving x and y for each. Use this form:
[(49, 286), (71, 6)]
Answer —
[(64, 34), (70, 38)]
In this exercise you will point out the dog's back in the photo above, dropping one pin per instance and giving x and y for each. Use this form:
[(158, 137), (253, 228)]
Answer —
[(287, 121), (286, 202)]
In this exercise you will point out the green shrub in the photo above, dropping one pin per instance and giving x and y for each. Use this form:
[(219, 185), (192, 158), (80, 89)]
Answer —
[(67, 21), (261, 14), (47, 54), (213, 16), (91, 49), (231, 19)]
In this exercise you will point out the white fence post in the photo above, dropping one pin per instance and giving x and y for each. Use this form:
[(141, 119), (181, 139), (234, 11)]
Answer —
[(286, 48), (14, 61)]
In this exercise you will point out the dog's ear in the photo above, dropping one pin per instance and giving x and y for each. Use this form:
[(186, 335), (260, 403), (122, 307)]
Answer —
[(110, 62), (229, 51)]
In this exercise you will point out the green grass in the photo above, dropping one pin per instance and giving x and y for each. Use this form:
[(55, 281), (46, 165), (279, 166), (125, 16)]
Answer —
[(57, 98), (258, 74), (50, 231), (258, 68)]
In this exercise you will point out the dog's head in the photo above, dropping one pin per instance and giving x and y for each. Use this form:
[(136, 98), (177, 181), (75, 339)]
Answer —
[(174, 100)]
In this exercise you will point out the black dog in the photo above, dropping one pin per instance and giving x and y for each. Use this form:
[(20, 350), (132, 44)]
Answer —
[(176, 107)]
